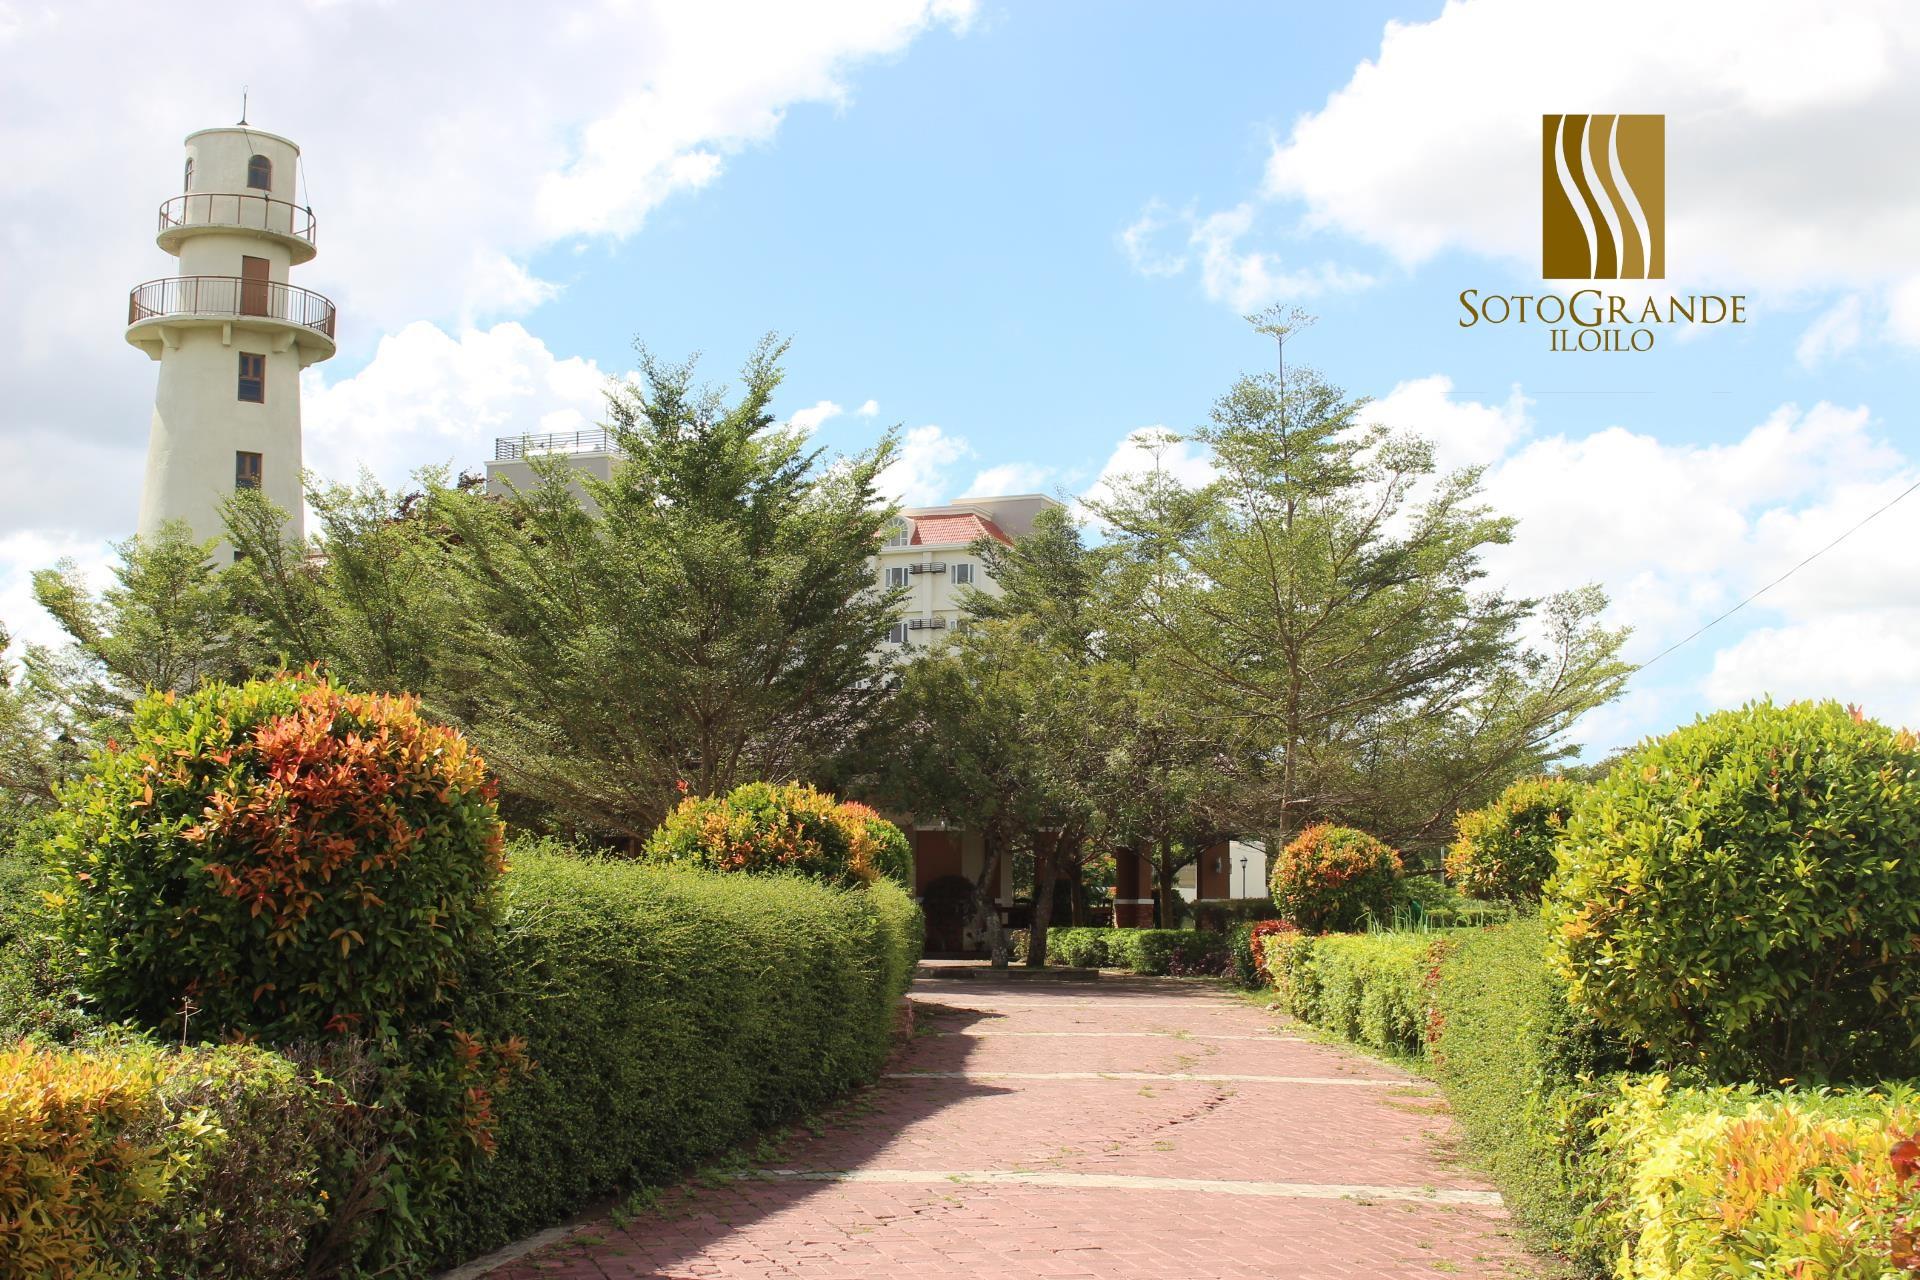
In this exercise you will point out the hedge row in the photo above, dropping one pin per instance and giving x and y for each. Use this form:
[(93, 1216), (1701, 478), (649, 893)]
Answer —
[(1619, 1168), (1158, 952), (668, 1014)]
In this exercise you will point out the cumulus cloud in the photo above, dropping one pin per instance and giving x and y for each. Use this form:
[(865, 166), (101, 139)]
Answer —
[(871, 409), (1465, 433), (430, 398), (921, 476), (810, 418), (1009, 478)]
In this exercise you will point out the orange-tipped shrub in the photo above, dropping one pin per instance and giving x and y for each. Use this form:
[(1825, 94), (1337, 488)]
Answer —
[(765, 827), (276, 858), (1332, 878)]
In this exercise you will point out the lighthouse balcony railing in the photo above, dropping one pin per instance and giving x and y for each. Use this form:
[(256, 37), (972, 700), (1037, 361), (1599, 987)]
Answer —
[(237, 209), (594, 440), (221, 296)]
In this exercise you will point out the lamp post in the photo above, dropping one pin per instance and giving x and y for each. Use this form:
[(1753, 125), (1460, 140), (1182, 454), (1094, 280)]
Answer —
[(1243, 876)]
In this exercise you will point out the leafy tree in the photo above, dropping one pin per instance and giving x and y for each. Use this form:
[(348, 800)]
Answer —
[(168, 623), (1324, 599), (707, 616)]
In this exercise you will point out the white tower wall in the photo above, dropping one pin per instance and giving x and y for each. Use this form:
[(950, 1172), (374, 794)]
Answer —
[(231, 333)]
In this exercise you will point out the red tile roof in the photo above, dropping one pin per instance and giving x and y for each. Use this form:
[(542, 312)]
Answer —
[(961, 528)]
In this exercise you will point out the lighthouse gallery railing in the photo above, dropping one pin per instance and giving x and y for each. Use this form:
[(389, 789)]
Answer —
[(230, 296)]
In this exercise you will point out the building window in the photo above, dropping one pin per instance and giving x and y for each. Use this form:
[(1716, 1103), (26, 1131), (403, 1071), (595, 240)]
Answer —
[(899, 533), (253, 378), (186, 183), (896, 576), (246, 470), (962, 574), (260, 173), (897, 633)]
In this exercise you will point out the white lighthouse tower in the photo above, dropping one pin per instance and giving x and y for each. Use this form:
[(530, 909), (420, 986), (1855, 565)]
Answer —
[(230, 332)]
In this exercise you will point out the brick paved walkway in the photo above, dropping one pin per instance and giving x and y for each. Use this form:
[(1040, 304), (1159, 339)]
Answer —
[(1125, 1128)]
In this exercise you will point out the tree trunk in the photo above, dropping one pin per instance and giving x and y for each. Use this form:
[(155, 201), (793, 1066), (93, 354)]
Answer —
[(986, 916), (1164, 914), (1046, 870), (1078, 909)]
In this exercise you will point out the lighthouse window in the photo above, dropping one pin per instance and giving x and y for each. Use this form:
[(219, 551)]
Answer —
[(260, 173), (253, 378), (186, 183), (246, 470)]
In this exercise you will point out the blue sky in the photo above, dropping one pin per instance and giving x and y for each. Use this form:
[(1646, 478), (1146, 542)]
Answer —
[(1023, 232)]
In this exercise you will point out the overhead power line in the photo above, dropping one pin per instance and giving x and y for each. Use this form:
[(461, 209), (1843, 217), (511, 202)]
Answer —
[(1865, 520)]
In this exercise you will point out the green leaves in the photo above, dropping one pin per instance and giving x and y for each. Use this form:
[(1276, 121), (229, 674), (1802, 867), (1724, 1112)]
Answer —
[(1742, 895)]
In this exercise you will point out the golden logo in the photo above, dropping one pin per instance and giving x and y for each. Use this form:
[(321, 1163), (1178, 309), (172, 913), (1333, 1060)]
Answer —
[(1603, 190)]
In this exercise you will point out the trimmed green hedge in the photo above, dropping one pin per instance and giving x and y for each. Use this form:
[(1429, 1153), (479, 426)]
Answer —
[(669, 1014), (1154, 952)]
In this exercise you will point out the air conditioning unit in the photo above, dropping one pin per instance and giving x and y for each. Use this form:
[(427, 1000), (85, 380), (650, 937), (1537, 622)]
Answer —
[(935, 567), (927, 624)]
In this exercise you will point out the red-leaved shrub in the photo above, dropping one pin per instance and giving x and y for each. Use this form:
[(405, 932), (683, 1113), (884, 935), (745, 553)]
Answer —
[(1332, 878)]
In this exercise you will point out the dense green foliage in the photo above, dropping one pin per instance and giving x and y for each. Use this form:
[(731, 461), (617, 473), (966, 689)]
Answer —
[(1333, 878), (1374, 989), (131, 1161), (1743, 896), (39, 973), (1524, 1073), (670, 1014), (276, 858), (1180, 952), (1504, 851), (763, 828), (1325, 589), (1742, 1182)]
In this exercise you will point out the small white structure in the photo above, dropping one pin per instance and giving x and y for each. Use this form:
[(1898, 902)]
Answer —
[(230, 333)]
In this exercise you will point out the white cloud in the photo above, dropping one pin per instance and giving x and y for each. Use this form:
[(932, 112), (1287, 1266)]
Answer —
[(22, 553), (1244, 279), (1778, 141), (1009, 478), (1867, 657), (1465, 433), (810, 418), (1835, 332), (429, 398), (441, 154), (870, 409), (921, 475), (1903, 312), (1141, 452)]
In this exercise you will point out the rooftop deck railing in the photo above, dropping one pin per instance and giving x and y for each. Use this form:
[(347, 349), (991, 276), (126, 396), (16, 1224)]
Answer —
[(596, 440)]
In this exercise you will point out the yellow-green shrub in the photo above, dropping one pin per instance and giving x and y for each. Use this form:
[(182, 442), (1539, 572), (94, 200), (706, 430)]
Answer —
[(1504, 851), (1730, 1182), (71, 1174), (763, 827), (129, 1162)]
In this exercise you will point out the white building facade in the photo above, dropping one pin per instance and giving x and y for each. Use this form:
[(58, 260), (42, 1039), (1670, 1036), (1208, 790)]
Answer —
[(231, 333)]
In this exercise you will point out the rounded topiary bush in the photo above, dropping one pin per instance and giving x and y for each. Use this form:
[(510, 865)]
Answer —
[(1332, 878), (765, 827), (1743, 896), (1504, 852), (277, 858)]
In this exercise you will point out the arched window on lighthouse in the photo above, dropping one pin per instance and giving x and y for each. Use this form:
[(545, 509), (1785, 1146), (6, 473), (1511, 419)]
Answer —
[(260, 173), (186, 183)]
